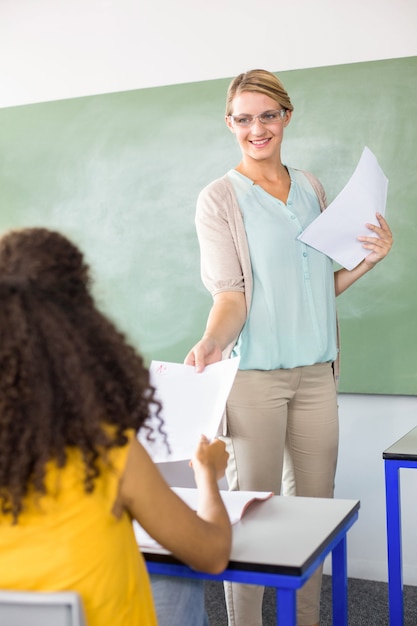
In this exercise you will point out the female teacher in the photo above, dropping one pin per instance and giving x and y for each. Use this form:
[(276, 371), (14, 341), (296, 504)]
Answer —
[(274, 306)]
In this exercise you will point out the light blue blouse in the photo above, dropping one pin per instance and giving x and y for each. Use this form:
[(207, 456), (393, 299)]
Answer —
[(292, 321)]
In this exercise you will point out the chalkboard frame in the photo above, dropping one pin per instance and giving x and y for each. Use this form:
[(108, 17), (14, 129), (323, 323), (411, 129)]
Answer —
[(120, 173)]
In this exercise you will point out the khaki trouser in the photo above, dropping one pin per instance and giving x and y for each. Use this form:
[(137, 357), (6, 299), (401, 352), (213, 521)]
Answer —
[(282, 431)]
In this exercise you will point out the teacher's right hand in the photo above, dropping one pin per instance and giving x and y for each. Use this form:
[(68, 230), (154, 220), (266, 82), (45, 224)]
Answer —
[(205, 352)]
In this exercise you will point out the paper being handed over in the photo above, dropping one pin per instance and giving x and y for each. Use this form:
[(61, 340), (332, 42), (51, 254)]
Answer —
[(335, 231), (192, 404)]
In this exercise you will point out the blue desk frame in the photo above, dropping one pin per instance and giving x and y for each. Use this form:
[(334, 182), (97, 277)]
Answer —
[(285, 579), (402, 454)]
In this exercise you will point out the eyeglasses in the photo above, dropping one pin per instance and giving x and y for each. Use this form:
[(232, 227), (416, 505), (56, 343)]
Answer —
[(267, 117)]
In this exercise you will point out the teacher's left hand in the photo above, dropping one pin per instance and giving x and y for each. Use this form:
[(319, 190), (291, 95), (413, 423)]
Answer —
[(380, 245)]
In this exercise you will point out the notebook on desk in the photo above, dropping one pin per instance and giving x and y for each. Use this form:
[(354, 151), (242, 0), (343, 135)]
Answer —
[(236, 503)]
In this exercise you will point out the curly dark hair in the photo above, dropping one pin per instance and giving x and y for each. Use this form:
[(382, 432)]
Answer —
[(66, 372)]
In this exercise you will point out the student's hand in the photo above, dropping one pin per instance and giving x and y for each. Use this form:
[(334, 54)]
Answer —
[(210, 456), (380, 245), (205, 352)]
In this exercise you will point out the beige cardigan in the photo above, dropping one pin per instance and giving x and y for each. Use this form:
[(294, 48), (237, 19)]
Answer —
[(224, 246)]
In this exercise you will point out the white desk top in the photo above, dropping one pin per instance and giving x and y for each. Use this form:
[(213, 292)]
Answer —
[(404, 448), (282, 535)]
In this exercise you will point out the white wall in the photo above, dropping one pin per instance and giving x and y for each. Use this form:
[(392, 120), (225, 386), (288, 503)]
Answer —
[(369, 425), (54, 49)]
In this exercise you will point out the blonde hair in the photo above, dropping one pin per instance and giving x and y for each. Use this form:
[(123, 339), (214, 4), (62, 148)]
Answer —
[(260, 81)]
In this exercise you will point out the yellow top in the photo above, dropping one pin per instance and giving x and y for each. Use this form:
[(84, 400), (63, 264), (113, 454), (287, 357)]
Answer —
[(70, 540)]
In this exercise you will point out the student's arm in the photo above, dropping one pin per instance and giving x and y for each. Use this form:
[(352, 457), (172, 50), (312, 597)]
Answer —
[(224, 323), (202, 539), (379, 247)]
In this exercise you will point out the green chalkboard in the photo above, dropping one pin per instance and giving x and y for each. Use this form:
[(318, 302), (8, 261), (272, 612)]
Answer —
[(119, 173)]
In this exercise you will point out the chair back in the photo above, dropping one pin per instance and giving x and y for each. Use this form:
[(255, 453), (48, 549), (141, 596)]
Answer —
[(24, 608)]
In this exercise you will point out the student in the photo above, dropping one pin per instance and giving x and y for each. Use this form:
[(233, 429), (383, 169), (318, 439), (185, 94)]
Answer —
[(73, 394), (274, 305)]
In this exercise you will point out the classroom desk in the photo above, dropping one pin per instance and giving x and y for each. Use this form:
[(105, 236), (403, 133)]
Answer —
[(403, 453), (279, 543)]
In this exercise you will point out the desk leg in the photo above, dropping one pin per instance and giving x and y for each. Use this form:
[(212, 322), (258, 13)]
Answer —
[(340, 583), (286, 607), (393, 514)]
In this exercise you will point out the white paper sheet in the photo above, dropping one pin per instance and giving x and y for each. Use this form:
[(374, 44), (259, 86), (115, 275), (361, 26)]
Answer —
[(192, 404), (335, 231), (236, 503)]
